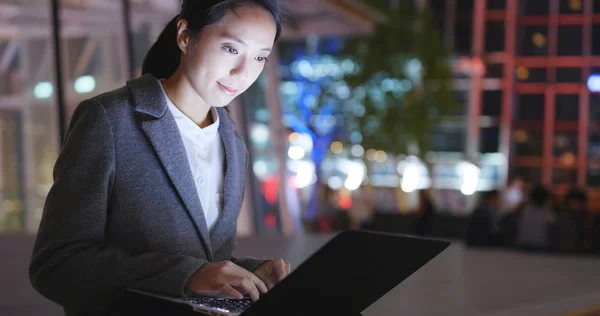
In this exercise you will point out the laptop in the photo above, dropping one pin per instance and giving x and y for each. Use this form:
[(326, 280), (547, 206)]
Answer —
[(344, 277)]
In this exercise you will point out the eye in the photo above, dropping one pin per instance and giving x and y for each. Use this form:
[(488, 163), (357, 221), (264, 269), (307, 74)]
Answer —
[(230, 50), (262, 59)]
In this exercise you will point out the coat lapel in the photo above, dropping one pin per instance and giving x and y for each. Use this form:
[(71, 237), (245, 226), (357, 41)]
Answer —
[(235, 180), (163, 133)]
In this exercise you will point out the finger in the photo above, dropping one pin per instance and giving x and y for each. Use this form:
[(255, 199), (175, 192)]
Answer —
[(269, 285), (288, 268), (229, 290), (280, 270), (251, 289), (260, 285), (245, 286)]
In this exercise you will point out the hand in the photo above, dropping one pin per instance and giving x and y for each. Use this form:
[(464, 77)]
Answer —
[(273, 271), (225, 277)]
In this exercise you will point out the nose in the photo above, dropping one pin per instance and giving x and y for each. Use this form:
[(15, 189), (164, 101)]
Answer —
[(240, 71)]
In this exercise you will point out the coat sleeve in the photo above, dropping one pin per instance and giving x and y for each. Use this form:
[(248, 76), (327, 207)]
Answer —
[(248, 263), (225, 252), (72, 263)]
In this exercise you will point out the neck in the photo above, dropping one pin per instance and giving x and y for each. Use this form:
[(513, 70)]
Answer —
[(183, 95)]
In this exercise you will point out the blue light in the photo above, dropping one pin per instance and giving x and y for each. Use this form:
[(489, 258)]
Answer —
[(593, 83)]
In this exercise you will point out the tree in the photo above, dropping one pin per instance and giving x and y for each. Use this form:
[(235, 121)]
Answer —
[(392, 88), (314, 91), (404, 86)]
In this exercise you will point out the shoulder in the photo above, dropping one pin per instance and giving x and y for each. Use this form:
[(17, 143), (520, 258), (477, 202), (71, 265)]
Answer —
[(116, 104), (115, 100)]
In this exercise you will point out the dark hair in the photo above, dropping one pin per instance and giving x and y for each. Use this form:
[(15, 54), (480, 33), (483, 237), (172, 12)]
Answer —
[(539, 195), (486, 197), (491, 195), (164, 56), (576, 195)]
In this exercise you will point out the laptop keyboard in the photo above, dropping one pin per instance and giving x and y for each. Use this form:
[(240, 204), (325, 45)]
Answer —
[(231, 305)]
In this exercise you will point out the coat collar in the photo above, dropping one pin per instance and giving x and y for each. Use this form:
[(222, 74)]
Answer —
[(148, 98)]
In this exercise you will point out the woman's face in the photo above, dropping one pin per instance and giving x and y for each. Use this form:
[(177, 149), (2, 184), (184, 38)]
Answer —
[(228, 56)]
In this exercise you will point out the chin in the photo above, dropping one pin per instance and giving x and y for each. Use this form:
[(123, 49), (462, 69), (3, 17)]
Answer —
[(221, 102)]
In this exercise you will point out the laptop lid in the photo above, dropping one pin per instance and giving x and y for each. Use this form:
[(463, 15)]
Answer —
[(347, 275)]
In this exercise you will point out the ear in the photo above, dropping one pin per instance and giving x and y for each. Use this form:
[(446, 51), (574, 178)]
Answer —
[(183, 35)]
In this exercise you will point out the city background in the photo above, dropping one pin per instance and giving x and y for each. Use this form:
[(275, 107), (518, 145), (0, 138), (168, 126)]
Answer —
[(406, 116)]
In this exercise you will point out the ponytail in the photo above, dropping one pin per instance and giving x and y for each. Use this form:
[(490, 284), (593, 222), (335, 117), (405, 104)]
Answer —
[(164, 56)]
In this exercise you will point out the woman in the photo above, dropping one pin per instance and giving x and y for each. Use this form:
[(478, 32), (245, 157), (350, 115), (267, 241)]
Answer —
[(149, 183)]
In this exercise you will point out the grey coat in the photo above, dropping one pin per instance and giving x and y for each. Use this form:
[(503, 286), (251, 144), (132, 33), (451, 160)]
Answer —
[(123, 211)]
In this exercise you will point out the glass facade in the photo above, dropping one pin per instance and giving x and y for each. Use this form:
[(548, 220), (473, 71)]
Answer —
[(94, 60)]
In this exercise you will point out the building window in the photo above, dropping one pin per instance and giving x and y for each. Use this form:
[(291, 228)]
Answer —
[(494, 39), (533, 41), (564, 143), (564, 176), (490, 140), (570, 38), (463, 36), (528, 143), (449, 139), (494, 71), (594, 146), (534, 7), (596, 6), (566, 107), (568, 74), (529, 175), (462, 98), (491, 103), (531, 75), (596, 37), (571, 6), (530, 107), (593, 172), (594, 112), (496, 4), (593, 176), (438, 9), (465, 5)]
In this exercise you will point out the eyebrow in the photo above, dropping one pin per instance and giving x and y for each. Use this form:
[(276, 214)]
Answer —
[(241, 41)]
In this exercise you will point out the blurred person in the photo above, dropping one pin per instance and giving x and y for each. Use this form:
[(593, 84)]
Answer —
[(535, 221), (149, 183), (425, 215), (363, 206), (327, 209), (484, 223), (513, 195), (572, 228), (509, 225), (595, 232)]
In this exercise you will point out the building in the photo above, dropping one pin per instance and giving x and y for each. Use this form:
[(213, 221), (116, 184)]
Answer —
[(534, 103)]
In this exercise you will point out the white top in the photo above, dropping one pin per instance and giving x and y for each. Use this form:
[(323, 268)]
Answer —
[(206, 155)]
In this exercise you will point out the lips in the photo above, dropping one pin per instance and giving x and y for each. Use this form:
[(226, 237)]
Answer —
[(227, 89)]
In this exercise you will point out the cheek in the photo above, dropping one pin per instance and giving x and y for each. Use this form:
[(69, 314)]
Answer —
[(253, 74), (209, 65)]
